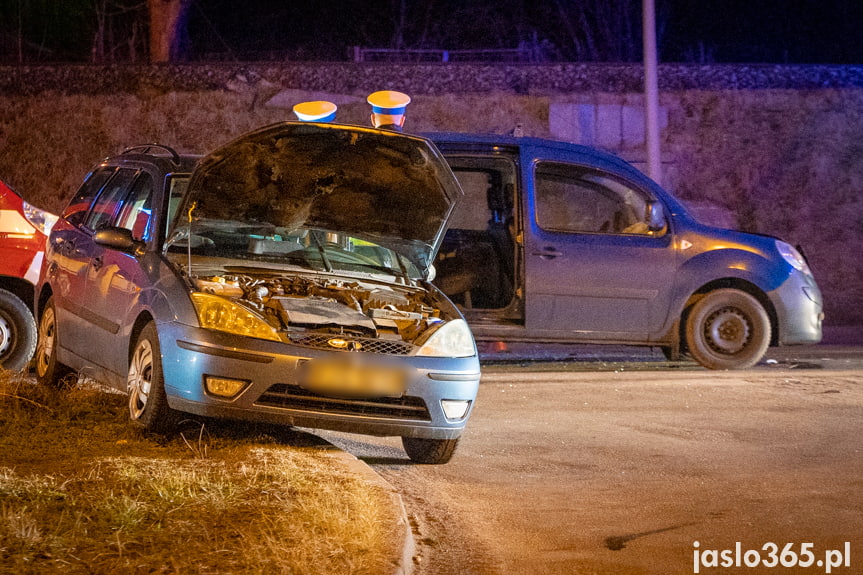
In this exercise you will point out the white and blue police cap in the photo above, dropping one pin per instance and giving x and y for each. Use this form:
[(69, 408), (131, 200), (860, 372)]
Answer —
[(318, 111), (389, 102)]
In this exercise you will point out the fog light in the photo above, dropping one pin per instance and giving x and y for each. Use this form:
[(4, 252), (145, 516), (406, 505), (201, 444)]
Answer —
[(454, 408), (224, 387)]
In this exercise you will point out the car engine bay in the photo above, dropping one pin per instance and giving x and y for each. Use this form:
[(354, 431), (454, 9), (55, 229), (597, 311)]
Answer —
[(330, 306)]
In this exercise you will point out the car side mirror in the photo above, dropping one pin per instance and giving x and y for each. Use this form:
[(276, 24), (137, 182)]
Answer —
[(119, 239), (431, 273), (656, 221)]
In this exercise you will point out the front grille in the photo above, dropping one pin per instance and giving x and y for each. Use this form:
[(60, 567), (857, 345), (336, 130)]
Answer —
[(295, 397), (365, 344)]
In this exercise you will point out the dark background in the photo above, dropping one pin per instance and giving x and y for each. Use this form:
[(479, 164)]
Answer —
[(694, 31)]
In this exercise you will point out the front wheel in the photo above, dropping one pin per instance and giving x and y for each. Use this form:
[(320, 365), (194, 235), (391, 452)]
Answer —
[(727, 329), (433, 451), (17, 332), (148, 403)]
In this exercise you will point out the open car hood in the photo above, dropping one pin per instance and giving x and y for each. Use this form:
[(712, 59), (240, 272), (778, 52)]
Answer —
[(397, 190)]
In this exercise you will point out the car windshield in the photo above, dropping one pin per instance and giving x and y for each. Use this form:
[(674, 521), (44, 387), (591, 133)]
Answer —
[(233, 243)]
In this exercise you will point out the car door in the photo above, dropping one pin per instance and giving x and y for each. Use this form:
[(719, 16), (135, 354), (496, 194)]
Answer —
[(68, 253), (80, 328), (113, 277), (596, 267)]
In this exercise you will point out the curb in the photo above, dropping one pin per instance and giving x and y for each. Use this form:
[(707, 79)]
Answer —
[(403, 564)]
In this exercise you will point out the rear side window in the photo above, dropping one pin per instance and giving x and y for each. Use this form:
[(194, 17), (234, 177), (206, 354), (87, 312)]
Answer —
[(77, 209), (109, 201), (579, 200)]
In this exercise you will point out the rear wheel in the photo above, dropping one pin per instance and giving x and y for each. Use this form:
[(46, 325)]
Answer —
[(727, 329), (17, 332), (433, 451), (148, 403), (49, 371)]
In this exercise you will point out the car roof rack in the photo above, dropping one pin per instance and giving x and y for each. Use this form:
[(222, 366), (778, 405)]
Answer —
[(145, 149)]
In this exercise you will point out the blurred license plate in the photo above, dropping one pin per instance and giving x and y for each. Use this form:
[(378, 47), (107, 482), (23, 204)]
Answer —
[(353, 379)]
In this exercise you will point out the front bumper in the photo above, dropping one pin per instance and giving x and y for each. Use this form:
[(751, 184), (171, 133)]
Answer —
[(799, 310), (273, 394)]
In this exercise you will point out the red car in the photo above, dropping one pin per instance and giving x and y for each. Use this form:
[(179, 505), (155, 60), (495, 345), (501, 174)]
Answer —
[(23, 231)]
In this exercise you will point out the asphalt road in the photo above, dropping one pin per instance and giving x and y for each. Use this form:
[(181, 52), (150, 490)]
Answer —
[(608, 465)]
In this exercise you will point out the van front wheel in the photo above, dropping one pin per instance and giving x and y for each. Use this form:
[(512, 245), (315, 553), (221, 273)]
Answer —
[(727, 329)]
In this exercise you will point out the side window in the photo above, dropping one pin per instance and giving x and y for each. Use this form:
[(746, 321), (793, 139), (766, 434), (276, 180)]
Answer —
[(581, 200), (136, 211), (177, 186), (108, 202), (77, 209), (171, 222)]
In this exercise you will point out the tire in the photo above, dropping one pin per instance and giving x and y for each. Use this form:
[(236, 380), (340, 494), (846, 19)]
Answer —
[(49, 371), (727, 329), (148, 403), (671, 352), (433, 451), (17, 332)]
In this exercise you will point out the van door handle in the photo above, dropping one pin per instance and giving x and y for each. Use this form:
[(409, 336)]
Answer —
[(548, 253)]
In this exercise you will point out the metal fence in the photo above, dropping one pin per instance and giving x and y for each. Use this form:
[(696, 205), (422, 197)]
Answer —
[(526, 54)]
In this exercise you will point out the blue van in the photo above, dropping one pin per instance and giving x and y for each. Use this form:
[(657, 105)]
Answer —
[(556, 242)]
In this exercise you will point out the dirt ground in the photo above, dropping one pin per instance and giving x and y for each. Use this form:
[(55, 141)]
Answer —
[(623, 472)]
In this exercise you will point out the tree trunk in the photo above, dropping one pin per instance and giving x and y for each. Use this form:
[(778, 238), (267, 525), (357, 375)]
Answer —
[(167, 26)]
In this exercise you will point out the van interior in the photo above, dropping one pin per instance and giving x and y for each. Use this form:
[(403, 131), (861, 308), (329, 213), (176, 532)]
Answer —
[(478, 265)]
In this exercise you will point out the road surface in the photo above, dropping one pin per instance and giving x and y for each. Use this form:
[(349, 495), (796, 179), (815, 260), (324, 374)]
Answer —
[(621, 467)]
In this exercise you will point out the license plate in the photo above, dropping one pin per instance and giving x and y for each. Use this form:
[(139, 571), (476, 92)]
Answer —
[(352, 379)]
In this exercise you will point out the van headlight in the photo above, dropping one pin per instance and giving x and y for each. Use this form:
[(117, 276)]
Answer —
[(452, 339), (216, 312), (793, 256)]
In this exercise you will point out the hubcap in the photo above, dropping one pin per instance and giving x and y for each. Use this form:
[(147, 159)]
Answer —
[(140, 379), (727, 331), (45, 346), (7, 334)]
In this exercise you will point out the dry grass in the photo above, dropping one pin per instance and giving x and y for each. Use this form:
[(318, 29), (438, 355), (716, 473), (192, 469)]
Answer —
[(83, 492)]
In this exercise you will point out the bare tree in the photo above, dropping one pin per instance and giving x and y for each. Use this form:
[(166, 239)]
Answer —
[(601, 30), (167, 28), (117, 19)]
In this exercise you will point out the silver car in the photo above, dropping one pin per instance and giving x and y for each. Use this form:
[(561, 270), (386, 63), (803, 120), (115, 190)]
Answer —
[(282, 278)]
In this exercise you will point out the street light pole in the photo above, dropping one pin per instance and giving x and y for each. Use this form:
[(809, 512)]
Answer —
[(651, 92)]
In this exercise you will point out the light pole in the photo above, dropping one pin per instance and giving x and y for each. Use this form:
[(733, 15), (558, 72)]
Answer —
[(651, 92)]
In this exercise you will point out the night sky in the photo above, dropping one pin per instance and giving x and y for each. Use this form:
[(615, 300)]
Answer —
[(787, 31), (695, 31)]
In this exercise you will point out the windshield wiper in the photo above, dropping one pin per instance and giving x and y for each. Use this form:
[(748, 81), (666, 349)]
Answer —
[(327, 265)]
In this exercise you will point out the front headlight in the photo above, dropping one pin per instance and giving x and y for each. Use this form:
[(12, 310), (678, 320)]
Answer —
[(452, 339), (216, 312), (39, 219), (793, 256)]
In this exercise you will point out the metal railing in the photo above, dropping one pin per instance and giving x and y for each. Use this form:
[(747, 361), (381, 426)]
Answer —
[(361, 54)]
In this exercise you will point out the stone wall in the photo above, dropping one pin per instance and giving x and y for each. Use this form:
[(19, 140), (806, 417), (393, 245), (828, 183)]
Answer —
[(435, 78), (772, 149)]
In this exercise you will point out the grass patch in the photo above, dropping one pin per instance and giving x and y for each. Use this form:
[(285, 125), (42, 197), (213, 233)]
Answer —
[(81, 491)]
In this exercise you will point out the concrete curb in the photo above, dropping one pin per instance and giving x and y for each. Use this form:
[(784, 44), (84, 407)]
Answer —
[(404, 563)]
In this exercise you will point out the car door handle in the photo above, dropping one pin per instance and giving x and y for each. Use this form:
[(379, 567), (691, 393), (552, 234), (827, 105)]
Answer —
[(548, 253)]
